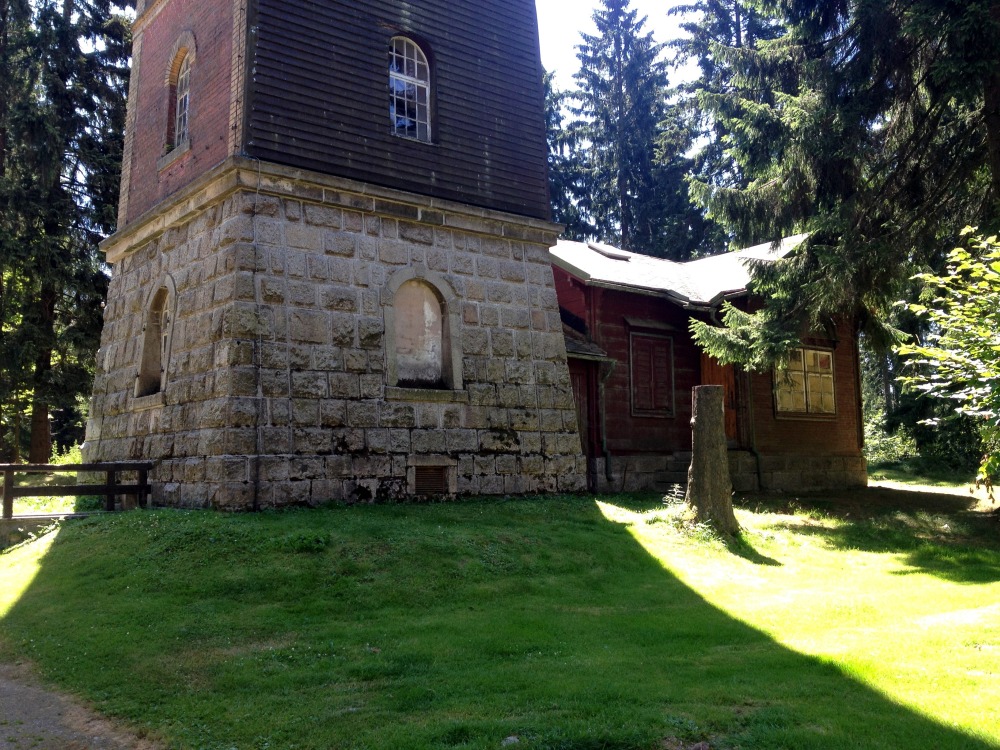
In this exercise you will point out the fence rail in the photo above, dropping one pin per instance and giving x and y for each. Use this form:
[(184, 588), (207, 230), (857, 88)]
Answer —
[(110, 489)]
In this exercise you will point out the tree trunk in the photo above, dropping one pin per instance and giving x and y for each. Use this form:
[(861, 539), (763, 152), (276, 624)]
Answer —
[(40, 445), (40, 450), (709, 489), (15, 451)]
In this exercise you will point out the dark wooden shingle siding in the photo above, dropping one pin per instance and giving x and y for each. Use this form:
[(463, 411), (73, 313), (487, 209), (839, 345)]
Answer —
[(319, 97)]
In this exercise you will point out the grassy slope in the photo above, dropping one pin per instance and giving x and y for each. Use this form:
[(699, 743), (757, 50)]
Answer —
[(565, 622)]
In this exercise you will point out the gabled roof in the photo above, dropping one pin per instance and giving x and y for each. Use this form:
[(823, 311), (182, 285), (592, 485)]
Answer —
[(697, 283)]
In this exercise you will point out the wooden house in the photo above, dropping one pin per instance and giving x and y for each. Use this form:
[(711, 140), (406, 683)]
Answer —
[(633, 363)]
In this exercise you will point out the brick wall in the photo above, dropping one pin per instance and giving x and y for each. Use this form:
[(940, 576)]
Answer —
[(605, 312), (157, 32), (793, 453)]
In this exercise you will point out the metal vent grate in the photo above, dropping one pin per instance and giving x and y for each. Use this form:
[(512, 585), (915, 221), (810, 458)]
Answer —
[(430, 480)]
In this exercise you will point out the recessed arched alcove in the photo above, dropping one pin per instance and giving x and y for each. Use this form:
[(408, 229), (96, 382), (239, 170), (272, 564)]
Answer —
[(422, 346)]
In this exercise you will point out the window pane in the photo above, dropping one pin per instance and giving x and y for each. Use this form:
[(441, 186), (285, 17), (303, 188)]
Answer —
[(821, 394), (182, 98), (806, 386), (409, 90), (790, 392)]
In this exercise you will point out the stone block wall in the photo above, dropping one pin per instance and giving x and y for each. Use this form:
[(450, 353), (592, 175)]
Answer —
[(657, 473), (812, 473), (660, 473), (277, 389)]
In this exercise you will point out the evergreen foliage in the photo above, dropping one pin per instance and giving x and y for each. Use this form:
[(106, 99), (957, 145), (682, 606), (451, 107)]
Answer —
[(874, 127), (622, 100), (718, 33), (568, 188), (618, 170), (629, 172), (64, 73)]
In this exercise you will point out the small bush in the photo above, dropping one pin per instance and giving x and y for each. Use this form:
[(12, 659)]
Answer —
[(72, 455), (883, 447)]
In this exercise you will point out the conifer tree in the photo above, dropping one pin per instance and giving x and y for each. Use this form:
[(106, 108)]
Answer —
[(58, 188), (718, 34), (882, 140), (621, 101), (568, 188)]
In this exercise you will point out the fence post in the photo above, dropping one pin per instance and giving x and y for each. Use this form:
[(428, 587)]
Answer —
[(109, 500), (143, 488), (8, 493)]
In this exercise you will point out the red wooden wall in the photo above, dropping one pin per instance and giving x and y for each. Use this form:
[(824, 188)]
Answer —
[(611, 314)]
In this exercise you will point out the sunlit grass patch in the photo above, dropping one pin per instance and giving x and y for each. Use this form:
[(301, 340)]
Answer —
[(888, 600), (19, 566)]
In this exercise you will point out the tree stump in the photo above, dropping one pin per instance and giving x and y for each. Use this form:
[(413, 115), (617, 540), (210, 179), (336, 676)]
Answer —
[(709, 489)]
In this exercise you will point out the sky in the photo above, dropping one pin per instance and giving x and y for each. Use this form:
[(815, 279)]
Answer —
[(561, 21)]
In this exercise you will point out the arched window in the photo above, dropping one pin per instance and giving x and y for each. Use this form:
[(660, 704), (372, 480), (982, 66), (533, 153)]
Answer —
[(152, 377), (179, 95), (420, 336), (409, 90), (182, 100)]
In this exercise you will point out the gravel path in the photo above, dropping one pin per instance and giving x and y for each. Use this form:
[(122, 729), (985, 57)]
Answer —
[(36, 718)]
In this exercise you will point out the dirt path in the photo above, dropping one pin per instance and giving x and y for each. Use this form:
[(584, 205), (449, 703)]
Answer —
[(35, 718)]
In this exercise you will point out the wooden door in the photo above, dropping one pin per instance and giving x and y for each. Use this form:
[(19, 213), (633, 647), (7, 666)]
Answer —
[(713, 373)]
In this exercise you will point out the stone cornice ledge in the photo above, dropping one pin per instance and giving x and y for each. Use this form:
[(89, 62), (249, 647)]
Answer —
[(242, 174), (213, 186)]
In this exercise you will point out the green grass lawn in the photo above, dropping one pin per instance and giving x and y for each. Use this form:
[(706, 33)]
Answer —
[(571, 623)]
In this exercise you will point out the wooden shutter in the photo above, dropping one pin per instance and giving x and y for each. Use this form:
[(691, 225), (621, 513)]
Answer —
[(652, 375)]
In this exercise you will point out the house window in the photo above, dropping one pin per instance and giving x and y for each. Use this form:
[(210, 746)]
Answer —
[(152, 377), (421, 331), (805, 386), (182, 101), (409, 90), (651, 370), (178, 131)]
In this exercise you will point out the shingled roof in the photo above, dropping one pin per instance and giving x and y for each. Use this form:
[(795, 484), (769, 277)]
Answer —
[(697, 283)]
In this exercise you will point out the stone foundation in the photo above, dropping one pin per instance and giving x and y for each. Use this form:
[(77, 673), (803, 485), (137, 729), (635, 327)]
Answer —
[(657, 473), (661, 473), (279, 384), (811, 473)]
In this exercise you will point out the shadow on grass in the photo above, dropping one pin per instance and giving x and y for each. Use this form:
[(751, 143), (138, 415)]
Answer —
[(866, 503), (740, 546), (938, 533), (424, 627)]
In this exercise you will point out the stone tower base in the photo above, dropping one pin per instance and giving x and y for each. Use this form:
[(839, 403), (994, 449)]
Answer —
[(252, 347)]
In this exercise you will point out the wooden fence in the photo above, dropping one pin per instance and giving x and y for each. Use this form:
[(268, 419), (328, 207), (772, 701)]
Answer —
[(112, 486)]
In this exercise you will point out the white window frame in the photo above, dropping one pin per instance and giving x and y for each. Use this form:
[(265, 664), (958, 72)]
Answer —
[(409, 90), (182, 102)]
